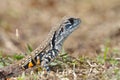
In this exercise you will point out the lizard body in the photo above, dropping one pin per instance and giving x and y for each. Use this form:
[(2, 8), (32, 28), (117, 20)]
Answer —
[(46, 52), (49, 50)]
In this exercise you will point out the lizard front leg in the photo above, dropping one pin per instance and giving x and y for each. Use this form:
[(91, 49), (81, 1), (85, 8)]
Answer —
[(48, 57)]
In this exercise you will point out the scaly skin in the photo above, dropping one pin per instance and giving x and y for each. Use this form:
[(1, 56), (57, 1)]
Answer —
[(46, 52)]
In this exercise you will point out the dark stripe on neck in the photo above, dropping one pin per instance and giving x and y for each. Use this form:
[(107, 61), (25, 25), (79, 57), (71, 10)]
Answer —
[(53, 40)]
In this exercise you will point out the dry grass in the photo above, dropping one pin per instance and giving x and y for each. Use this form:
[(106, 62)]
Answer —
[(28, 22), (66, 67)]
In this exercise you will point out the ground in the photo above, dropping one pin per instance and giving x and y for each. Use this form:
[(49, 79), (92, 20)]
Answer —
[(28, 22)]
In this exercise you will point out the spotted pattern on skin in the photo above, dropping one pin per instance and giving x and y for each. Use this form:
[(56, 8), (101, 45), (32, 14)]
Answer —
[(52, 45)]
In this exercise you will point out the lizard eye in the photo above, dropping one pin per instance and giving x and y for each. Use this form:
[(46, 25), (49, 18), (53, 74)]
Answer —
[(70, 23), (71, 20)]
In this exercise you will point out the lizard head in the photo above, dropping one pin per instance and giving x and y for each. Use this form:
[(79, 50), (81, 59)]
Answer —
[(65, 29), (69, 25)]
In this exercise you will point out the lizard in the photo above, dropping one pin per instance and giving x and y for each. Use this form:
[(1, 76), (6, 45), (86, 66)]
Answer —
[(49, 49)]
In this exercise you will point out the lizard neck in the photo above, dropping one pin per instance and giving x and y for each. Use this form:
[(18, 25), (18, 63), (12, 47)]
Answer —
[(57, 41)]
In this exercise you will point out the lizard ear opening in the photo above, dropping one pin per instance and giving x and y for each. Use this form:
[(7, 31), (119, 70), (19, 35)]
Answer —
[(62, 29)]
